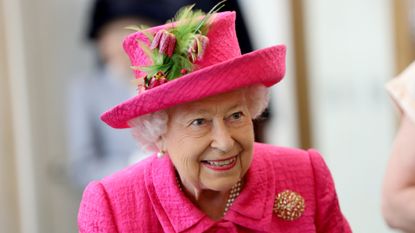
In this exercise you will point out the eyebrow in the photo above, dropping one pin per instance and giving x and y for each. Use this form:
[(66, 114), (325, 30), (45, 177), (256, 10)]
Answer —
[(191, 114), (205, 111), (234, 106)]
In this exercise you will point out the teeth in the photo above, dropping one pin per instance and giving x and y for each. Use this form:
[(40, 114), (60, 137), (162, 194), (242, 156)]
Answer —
[(221, 163)]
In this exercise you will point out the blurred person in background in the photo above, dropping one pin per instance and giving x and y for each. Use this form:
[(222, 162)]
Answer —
[(95, 150), (398, 201)]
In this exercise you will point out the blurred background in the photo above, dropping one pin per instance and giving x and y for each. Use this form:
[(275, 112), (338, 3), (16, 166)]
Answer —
[(340, 54)]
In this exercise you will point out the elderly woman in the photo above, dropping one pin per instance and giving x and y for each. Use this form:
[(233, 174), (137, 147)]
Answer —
[(197, 98)]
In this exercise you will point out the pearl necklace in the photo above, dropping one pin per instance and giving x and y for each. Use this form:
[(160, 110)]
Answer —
[(235, 190), (234, 193)]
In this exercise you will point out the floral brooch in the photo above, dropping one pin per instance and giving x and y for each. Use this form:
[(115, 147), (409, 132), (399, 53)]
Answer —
[(289, 205)]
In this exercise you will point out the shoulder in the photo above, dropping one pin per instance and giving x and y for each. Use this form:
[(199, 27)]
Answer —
[(123, 180), (83, 84), (115, 199), (272, 150), (295, 166), (129, 177), (79, 89), (288, 156), (306, 173), (117, 188), (95, 214), (83, 80)]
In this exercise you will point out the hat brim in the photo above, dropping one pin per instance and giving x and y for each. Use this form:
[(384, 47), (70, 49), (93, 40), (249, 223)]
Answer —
[(264, 66)]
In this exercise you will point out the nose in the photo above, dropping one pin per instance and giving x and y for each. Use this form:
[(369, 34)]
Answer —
[(222, 137)]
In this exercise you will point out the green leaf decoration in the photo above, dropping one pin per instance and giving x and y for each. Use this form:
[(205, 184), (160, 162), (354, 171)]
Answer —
[(134, 27), (215, 9), (187, 23)]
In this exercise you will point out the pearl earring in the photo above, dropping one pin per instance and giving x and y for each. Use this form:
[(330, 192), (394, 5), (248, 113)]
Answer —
[(160, 154)]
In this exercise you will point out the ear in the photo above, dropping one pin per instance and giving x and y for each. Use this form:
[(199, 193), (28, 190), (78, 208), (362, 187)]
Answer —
[(161, 144)]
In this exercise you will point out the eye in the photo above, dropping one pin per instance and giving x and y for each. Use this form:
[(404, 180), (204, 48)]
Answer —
[(236, 115), (198, 122)]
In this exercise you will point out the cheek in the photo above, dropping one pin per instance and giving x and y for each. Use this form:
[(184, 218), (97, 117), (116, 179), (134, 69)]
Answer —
[(245, 135), (185, 164), (185, 153), (187, 148), (246, 140), (246, 157)]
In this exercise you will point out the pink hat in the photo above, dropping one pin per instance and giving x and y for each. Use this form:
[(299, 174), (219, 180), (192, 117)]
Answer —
[(219, 68)]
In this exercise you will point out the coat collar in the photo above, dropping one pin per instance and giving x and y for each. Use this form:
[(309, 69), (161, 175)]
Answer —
[(173, 208), (252, 209)]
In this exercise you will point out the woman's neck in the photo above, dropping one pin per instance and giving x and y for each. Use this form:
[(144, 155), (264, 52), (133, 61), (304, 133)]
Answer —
[(210, 202)]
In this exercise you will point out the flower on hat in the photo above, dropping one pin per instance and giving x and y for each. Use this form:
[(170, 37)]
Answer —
[(197, 47), (165, 42), (174, 51)]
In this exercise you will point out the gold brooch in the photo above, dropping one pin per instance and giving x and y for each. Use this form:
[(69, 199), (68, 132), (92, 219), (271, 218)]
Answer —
[(289, 205)]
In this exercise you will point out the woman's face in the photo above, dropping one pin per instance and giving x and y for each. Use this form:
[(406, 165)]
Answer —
[(210, 141)]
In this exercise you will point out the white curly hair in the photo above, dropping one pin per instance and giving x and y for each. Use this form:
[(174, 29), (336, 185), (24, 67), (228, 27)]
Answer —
[(147, 129)]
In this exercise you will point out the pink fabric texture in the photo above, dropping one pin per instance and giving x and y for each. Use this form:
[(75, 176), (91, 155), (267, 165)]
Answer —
[(145, 198), (222, 69)]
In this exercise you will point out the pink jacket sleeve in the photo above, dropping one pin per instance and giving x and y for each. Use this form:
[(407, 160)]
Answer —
[(95, 213), (329, 218)]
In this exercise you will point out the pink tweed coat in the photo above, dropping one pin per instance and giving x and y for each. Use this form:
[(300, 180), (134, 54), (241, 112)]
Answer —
[(145, 198)]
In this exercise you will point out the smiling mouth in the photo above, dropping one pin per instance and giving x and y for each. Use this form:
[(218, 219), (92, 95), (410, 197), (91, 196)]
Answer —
[(222, 164)]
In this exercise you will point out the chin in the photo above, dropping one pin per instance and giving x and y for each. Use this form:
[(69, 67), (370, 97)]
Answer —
[(222, 184)]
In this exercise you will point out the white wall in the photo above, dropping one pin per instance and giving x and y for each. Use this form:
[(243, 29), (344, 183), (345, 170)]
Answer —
[(42, 47), (350, 57), (54, 33), (19, 156), (8, 194)]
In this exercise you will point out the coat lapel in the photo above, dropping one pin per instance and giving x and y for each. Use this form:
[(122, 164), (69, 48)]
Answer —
[(173, 208), (253, 206)]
